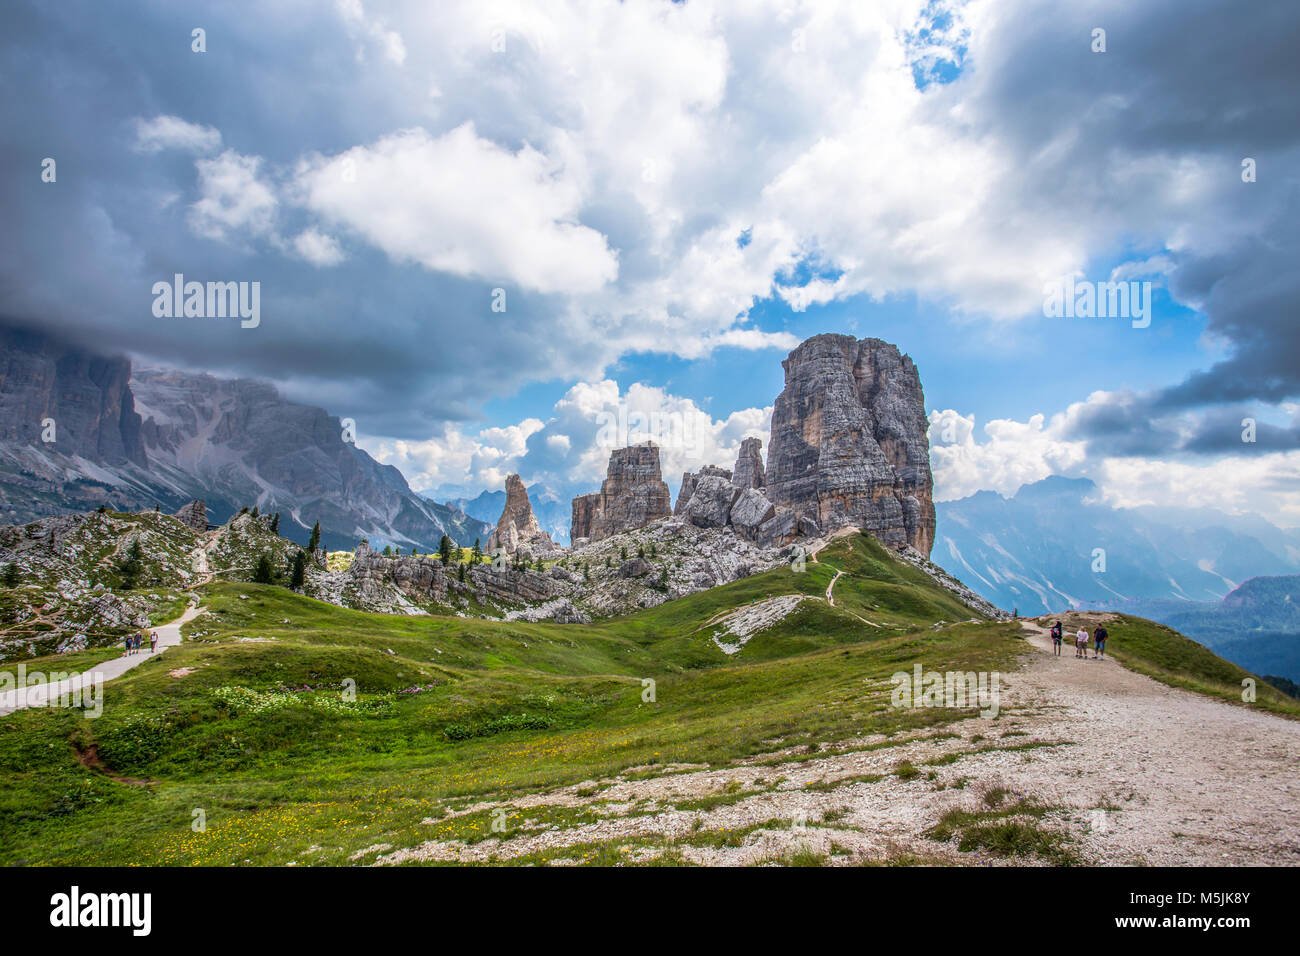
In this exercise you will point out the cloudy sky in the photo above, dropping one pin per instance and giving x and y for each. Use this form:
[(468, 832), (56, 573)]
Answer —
[(486, 230)]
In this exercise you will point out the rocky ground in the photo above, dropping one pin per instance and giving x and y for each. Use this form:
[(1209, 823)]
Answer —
[(1100, 765)]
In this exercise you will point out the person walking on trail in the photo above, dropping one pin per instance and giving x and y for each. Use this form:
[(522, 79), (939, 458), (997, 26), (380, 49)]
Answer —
[(126, 643), (1081, 642), (1056, 638), (153, 641), (1099, 643)]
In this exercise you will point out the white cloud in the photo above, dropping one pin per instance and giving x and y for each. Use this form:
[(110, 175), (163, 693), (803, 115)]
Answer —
[(172, 132), (1017, 453), (461, 204), (375, 30), (318, 248), (232, 197), (571, 450), (1014, 454)]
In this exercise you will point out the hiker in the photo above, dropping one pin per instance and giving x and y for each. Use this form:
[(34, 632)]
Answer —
[(1099, 643), (1056, 638), (126, 643), (1081, 642), (153, 641)]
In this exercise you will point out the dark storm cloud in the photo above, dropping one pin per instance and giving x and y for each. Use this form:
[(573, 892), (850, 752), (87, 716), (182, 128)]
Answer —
[(396, 346), (1209, 81)]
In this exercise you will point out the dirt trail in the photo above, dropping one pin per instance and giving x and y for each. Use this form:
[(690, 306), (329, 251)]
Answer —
[(1136, 773), (830, 588)]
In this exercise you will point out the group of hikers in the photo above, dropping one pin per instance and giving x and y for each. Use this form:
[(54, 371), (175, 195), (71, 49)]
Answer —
[(135, 641), (1099, 636)]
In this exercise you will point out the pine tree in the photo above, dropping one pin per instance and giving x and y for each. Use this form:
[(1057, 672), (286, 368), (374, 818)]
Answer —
[(640, 551), (132, 565), (262, 574), (388, 550), (299, 574), (314, 543), (622, 552), (255, 511), (10, 578), (275, 524), (444, 551), (460, 573), (477, 552)]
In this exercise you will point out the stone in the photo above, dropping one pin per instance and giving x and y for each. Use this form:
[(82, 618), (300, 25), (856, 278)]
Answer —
[(635, 568), (749, 465), (710, 504), (632, 495), (750, 510), (689, 479), (849, 443), (517, 530), (194, 515)]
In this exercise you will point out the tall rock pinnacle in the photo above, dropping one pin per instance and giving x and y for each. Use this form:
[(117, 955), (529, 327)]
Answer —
[(517, 529), (849, 443)]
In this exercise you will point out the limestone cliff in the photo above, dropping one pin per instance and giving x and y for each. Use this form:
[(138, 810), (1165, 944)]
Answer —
[(849, 443)]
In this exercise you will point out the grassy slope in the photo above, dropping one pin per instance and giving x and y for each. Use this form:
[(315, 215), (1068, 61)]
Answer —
[(504, 709)]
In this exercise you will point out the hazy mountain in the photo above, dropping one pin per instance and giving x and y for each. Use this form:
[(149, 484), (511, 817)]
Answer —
[(1037, 550), (78, 430), (552, 507), (1257, 625)]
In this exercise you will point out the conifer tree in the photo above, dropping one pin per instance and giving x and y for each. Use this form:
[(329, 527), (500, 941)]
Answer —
[(299, 575), (314, 543)]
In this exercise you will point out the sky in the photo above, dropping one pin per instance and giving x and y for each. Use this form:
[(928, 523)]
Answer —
[(504, 236)]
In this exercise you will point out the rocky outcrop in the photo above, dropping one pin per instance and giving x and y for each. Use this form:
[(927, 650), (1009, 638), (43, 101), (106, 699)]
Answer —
[(690, 479), (517, 530), (749, 465), (584, 518), (194, 515), (632, 495), (849, 443), (373, 578)]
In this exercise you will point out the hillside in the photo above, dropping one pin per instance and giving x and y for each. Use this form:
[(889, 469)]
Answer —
[(745, 723)]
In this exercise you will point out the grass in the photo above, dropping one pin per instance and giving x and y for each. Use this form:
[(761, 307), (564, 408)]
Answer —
[(313, 740)]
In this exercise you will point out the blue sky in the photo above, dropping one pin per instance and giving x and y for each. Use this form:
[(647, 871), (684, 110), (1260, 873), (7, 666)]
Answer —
[(669, 197)]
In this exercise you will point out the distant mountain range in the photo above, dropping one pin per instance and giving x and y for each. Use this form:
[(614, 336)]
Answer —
[(78, 430), (1037, 550), (1257, 625)]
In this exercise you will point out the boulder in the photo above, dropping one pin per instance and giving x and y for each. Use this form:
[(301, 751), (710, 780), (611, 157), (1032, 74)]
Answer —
[(710, 504), (195, 515), (749, 511)]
